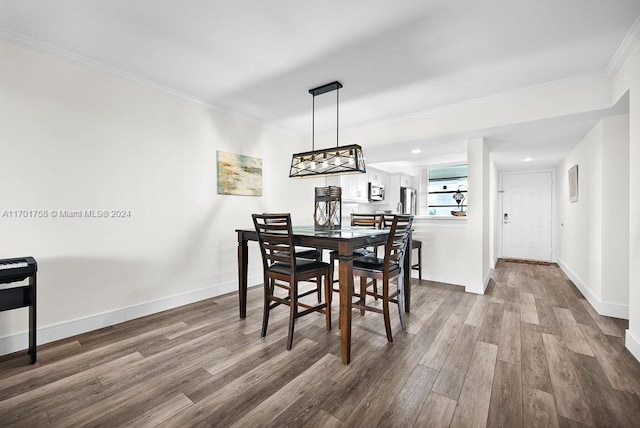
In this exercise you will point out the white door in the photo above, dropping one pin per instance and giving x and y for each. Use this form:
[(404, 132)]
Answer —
[(527, 216)]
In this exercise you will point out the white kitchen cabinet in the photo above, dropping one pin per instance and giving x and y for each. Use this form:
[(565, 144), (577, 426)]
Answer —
[(406, 181), (355, 187), (397, 181), (378, 177)]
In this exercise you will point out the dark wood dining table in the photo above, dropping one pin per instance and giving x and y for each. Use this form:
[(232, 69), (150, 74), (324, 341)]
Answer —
[(344, 241)]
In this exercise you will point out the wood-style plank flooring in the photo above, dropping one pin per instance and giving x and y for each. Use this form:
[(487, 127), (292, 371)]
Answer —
[(530, 352)]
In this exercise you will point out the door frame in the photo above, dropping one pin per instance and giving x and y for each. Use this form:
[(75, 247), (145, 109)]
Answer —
[(554, 213)]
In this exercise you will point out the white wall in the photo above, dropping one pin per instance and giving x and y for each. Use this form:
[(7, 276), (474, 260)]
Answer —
[(444, 253), (477, 242), (75, 138), (628, 79), (580, 223), (615, 210), (591, 233), (495, 217)]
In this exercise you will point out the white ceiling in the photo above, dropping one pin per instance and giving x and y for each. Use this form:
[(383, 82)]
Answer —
[(395, 59)]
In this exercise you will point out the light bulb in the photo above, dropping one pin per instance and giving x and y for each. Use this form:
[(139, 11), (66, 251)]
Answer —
[(337, 161), (325, 164), (313, 165)]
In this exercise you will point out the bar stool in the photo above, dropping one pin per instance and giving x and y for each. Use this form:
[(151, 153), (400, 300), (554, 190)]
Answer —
[(417, 266), (282, 270), (415, 244), (385, 269)]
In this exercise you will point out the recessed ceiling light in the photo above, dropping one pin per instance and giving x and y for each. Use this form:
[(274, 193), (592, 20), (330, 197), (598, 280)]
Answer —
[(416, 151), (527, 159)]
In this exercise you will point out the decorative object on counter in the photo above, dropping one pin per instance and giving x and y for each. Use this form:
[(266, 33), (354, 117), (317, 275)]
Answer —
[(334, 160), (328, 208), (459, 197), (239, 175), (573, 184)]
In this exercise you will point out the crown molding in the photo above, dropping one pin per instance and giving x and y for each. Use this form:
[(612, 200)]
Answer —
[(45, 48), (628, 43), (58, 53)]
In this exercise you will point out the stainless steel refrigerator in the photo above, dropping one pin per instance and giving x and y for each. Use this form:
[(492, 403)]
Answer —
[(408, 199)]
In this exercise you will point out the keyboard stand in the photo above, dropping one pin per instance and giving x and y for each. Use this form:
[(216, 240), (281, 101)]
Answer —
[(21, 296)]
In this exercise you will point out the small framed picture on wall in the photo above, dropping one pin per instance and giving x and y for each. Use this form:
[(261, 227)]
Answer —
[(573, 183)]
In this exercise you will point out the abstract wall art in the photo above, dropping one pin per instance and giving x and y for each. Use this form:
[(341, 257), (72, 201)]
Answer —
[(239, 174)]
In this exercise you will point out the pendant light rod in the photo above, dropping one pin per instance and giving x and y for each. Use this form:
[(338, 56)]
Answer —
[(333, 86), (313, 122)]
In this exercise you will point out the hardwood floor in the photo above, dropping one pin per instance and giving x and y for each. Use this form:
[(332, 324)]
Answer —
[(530, 352)]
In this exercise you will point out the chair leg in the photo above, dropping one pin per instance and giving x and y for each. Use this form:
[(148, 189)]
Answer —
[(293, 311), (375, 281), (385, 308), (267, 302), (400, 298), (327, 291), (420, 263)]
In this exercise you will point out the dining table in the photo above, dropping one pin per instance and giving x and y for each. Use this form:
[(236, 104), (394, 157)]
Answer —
[(343, 240)]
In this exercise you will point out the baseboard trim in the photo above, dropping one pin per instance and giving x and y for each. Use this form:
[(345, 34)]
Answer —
[(17, 342), (607, 309), (479, 288), (632, 344), (485, 283)]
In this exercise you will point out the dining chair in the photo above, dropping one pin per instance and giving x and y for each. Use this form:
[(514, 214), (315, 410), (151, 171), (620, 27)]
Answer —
[(385, 269), (366, 219), (417, 245), (283, 270), (311, 254)]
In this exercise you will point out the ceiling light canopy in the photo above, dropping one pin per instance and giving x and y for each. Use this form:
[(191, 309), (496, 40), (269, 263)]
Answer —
[(330, 161)]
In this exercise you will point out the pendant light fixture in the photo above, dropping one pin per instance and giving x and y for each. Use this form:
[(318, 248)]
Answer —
[(335, 160)]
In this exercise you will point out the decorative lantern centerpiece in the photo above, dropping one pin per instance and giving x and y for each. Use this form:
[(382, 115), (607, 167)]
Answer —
[(328, 208)]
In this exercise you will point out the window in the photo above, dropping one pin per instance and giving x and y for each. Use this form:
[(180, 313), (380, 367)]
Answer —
[(442, 183)]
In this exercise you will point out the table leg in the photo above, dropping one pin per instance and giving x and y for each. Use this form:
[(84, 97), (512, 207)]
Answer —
[(243, 254), (345, 268)]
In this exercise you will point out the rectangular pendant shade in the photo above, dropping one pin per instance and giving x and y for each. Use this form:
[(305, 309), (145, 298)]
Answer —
[(329, 161)]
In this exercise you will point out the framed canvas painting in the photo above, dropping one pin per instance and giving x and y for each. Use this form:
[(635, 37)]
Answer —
[(239, 174)]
